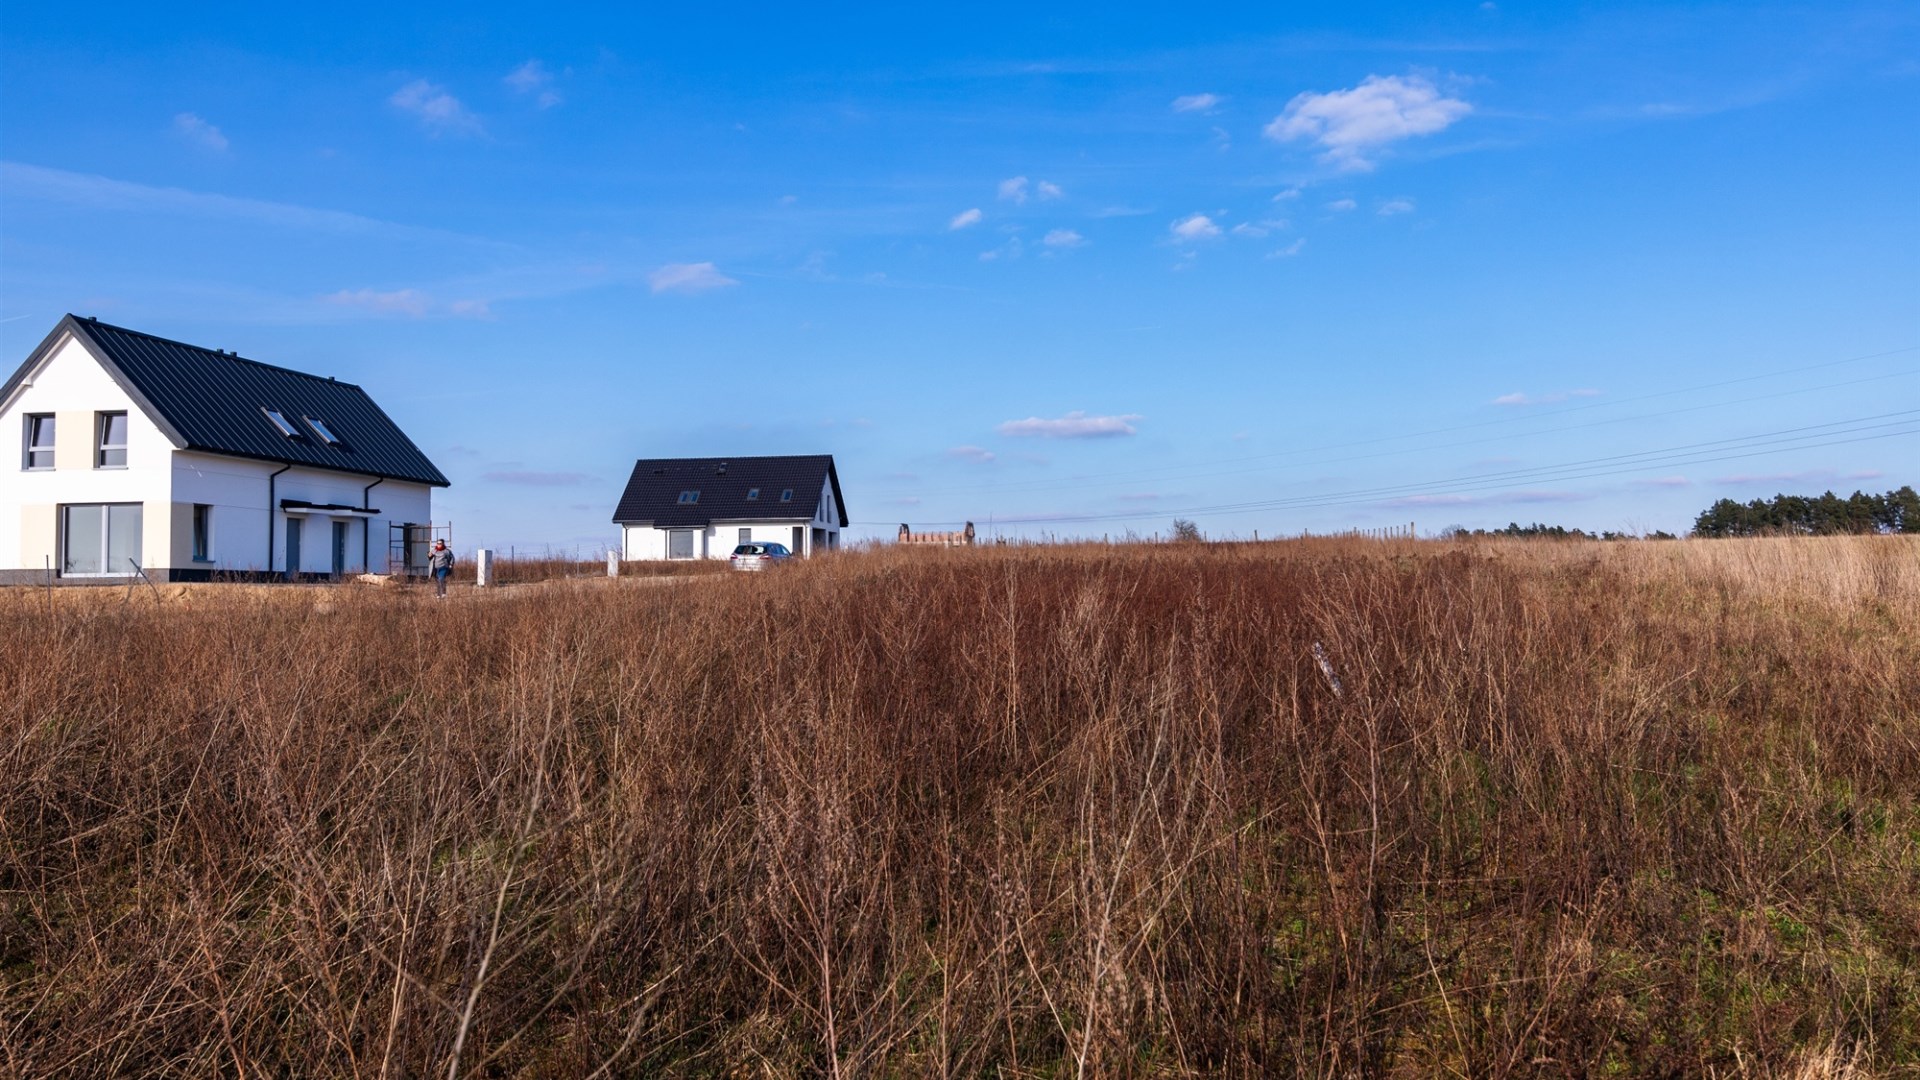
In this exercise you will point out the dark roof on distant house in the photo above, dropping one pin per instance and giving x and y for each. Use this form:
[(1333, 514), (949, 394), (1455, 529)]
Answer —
[(729, 489), (206, 399)]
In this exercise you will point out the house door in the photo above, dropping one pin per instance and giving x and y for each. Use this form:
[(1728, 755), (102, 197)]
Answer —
[(293, 544), (339, 548)]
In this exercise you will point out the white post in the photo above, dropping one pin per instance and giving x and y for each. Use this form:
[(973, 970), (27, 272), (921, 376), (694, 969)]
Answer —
[(483, 568), (613, 563)]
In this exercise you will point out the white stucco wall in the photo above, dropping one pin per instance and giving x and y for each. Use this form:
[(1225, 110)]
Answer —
[(72, 385), (236, 490)]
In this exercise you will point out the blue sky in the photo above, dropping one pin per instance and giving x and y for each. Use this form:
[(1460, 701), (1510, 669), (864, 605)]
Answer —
[(1063, 271)]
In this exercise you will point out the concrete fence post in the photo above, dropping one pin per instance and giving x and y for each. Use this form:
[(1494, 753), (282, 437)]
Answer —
[(613, 564), (483, 568)]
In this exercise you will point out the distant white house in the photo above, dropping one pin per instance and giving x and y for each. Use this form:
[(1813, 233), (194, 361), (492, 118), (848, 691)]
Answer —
[(701, 508), (192, 463)]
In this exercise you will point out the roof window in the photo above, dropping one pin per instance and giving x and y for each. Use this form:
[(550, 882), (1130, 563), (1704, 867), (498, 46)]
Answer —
[(786, 495), (320, 428), (280, 421), (753, 494), (688, 497)]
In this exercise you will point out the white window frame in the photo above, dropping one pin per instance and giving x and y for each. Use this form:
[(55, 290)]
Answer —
[(321, 429), (101, 447), (106, 538), (27, 447), (279, 420)]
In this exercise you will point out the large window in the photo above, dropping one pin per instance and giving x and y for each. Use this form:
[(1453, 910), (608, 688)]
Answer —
[(746, 535), (680, 544), (39, 446), (112, 430), (100, 539)]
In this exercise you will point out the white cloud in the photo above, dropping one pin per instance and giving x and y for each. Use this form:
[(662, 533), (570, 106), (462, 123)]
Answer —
[(196, 130), (966, 219), (1196, 102), (977, 454), (1341, 206), (438, 111), (470, 309), (1195, 227), (1290, 193), (1248, 228), (1396, 206), (1350, 124), (1290, 250), (1014, 189), (1063, 238), (1544, 399), (533, 78), (410, 302), (1665, 482), (1047, 189), (688, 278), (1074, 425)]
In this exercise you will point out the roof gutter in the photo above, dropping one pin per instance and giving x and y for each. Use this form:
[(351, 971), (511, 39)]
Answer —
[(273, 511)]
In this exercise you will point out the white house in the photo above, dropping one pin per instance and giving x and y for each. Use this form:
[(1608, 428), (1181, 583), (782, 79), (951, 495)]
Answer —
[(700, 508), (193, 462)]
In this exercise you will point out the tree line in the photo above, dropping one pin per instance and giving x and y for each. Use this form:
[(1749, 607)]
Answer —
[(1896, 511)]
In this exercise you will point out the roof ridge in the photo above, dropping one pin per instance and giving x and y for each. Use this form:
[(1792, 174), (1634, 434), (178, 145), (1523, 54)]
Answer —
[(88, 321)]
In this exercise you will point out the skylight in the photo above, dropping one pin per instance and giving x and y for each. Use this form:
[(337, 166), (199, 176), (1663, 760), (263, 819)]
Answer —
[(280, 421), (689, 496), (752, 494), (320, 428), (786, 495)]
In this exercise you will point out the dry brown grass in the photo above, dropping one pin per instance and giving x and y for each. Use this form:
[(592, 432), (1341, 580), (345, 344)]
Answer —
[(1573, 809)]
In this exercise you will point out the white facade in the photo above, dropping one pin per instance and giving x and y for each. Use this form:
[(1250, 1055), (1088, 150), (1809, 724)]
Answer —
[(198, 512), (718, 539)]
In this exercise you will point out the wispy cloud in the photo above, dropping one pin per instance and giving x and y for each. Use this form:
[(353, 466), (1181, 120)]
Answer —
[(533, 79), (527, 478), (1350, 125), (1195, 227), (102, 193), (1047, 189), (410, 302), (1196, 102), (1341, 206), (197, 131), (688, 278), (1554, 398), (1395, 206), (1063, 238), (1074, 425), (1509, 498), (1014, 189), (1805, 476), (966, 219), (979, 455), (1290, 250), (437, 110), (1665, 482)]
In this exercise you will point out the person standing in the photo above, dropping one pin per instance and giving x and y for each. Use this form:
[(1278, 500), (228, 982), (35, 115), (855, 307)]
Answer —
[(440, 564)]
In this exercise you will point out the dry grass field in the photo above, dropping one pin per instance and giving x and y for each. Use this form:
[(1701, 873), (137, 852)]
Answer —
[(1305, 808)]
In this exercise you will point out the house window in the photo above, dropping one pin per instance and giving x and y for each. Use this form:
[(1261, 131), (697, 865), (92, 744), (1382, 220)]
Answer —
[(280, 421), (680, 544), (786, 495), (100, 539), (39, 436), (320, 428), (689, 497), (746, 536), (202, 532), (753, 494), (112, 428)]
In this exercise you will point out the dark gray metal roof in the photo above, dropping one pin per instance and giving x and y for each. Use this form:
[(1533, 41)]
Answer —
[(654, 490), (215, 401)]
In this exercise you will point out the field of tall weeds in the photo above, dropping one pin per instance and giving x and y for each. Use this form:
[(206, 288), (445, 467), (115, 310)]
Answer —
[(1301, 808)]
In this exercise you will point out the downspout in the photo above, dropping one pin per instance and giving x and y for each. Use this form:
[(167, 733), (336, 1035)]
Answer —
[(272, 510), (366, 527)]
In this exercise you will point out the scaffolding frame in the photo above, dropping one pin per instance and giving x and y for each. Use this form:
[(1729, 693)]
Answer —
[(409, 542)]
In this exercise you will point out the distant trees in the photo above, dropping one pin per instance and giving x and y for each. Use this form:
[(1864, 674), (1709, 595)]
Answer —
[(1896, 511), (1186, 531)]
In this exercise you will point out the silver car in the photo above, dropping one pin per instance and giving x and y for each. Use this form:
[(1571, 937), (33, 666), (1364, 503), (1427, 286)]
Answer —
[(759, 555)]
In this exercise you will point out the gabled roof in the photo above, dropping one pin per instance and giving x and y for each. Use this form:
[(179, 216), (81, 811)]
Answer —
[(215, 401), (654, 491)]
